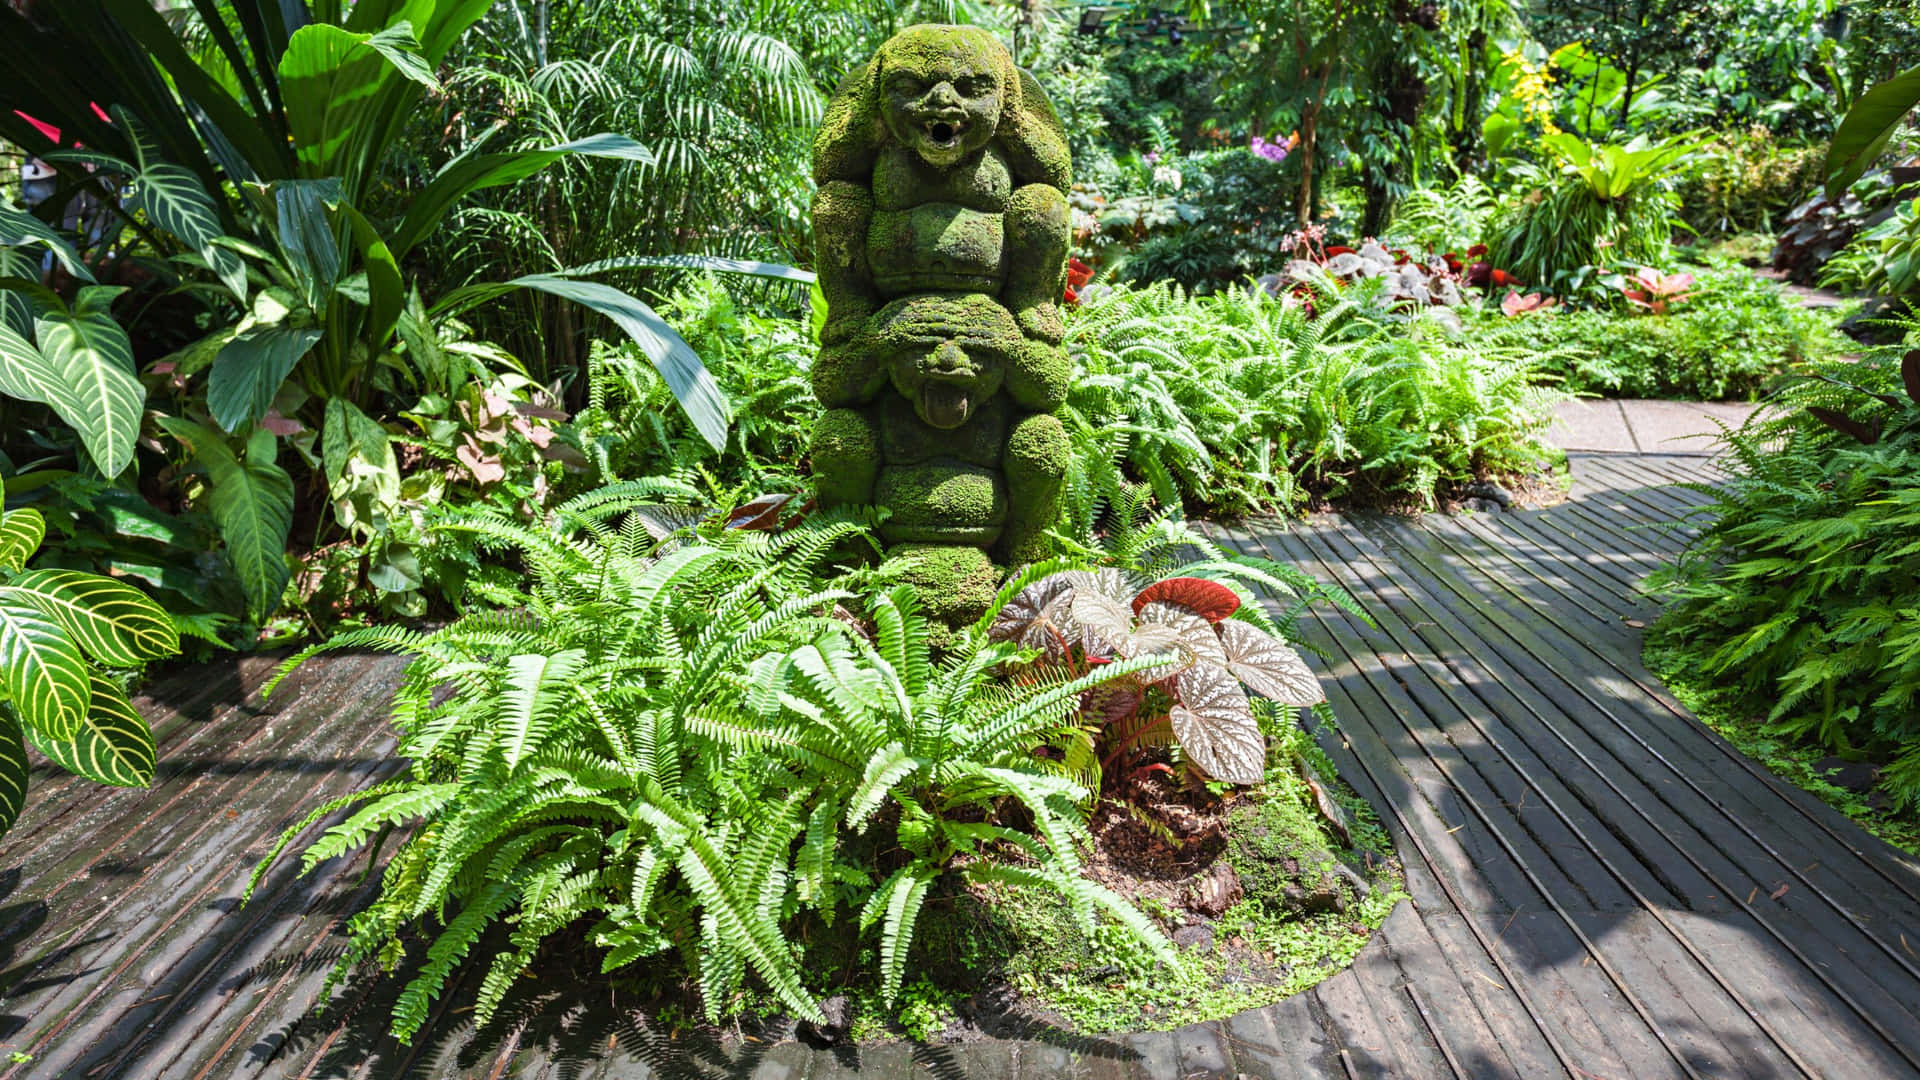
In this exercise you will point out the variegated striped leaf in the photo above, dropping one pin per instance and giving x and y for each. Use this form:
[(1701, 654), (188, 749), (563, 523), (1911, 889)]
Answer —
[(112, 746), (91, 362), (13, 769), (112, 621), (44, 672), (20, 534)]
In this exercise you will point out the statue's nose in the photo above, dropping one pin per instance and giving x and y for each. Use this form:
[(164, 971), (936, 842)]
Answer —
[(949, 359), (943, 96)]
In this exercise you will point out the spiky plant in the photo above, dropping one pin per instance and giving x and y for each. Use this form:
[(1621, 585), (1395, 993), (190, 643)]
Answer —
[(677, 739)]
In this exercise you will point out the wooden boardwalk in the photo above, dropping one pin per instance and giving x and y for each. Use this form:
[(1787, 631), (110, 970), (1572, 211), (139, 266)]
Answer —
[(1601, 888)]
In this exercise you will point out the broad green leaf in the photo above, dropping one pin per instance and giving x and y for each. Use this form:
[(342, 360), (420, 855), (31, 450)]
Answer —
[(331, 81), (401, 49), (13, 769), (306, 235), (357, 454), (248, 372), (386, 292), (20, 534), (714, 263), (43, 671), (113, 745), (173, 199), (90, 363), (252, 503), (24, 373), (692, 385), (16, 311), (111, 621), (1865, 130), (19, 228), (472, 171)]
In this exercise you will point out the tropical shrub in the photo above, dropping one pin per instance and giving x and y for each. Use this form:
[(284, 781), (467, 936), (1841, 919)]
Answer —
[(1241, 400), (1746, 182), (1795, 598), (685, 739), (59, 630), (1599, 206), (1726, 341), (1882, 261)]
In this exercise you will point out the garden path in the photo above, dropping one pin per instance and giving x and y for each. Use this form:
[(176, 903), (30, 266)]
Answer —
[(1601, 887)]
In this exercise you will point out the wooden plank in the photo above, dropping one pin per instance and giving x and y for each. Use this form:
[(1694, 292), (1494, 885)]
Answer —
[(1706, 857), (182, 864)]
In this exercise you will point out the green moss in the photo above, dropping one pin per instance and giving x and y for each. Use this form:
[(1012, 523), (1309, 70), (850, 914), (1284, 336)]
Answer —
[(1038, 452), (941, 503), (1038, 376), (846, 458), (955, 584), (846, 375)]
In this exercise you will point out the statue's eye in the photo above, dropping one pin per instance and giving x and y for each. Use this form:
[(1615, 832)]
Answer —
[(906, 86), (975, 85)]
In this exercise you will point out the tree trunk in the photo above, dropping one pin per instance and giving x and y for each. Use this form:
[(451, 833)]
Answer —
[(1309, 130)]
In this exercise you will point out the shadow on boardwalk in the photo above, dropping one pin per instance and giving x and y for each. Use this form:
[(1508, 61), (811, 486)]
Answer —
[(1601, 888)]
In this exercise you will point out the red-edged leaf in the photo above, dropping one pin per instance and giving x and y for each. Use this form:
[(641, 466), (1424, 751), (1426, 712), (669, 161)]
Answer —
[(1196, 635), (1476, 251), (760, 515), (1910, 374), (1216, 727), (1268, 666), (1210, 600), (1040, 616), (1109, 621)]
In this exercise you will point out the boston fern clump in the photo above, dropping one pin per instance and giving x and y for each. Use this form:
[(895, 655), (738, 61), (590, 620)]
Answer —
[(1800, 597), (1240, 401), (683, 741)]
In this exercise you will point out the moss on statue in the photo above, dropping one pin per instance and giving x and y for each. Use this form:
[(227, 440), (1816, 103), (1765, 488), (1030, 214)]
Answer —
[(942, 230), (955, 584)]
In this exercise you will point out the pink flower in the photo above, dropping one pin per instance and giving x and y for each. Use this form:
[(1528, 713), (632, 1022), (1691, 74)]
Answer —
[(1272, 151)]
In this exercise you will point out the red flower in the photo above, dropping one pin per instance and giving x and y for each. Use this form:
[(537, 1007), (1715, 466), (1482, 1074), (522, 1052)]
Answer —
[(1072, 297), (1078, 273)]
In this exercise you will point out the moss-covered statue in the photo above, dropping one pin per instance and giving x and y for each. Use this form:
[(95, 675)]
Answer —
[(941, 230)]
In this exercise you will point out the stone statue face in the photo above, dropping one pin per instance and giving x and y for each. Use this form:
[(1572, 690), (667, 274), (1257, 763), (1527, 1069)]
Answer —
[(941, 96), (946, 355)]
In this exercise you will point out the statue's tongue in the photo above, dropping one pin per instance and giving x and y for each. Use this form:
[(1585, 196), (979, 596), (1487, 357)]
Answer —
[(944, 405)]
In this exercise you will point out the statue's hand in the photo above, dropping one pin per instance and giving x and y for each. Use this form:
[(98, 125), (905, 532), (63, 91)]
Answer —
[(1042, 322)]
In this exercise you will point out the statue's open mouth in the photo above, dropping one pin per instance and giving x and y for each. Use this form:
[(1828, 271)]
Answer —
[(945, 134), (945, 405)]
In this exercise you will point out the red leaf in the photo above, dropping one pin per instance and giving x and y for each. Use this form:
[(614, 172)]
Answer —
[(1078, 273), (1210, 600), (1476, 251), (1340, 249), (760, 515)]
